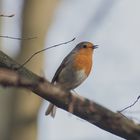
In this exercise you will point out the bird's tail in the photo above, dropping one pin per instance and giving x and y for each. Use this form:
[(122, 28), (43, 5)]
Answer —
[(51, 110)]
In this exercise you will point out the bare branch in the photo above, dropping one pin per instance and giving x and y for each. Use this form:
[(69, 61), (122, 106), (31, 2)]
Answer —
[(130, 105), (86, 109), (17, 38), (43, 51), (2, 15)]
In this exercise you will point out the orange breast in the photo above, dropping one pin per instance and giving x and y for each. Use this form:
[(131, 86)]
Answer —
[(83, 60)]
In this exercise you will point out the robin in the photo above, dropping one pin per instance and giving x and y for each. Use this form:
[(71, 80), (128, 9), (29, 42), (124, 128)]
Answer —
[(73, 70)]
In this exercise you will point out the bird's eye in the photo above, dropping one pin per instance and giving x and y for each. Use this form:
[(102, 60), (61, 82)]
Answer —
[(84, 46)]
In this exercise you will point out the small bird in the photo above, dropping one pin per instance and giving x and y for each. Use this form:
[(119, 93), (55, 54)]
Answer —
[(73, 70)]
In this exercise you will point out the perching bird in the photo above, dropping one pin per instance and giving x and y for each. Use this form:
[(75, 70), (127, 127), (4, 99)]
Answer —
[(73, 70)]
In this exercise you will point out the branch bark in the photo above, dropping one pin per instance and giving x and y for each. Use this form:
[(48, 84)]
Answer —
[(90, 111)]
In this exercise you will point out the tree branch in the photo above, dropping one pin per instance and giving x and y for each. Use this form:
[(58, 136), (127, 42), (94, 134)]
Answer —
[(90, 111), (9, 16)]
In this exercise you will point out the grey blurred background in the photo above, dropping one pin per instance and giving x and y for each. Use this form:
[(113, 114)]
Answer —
[(113, 82)]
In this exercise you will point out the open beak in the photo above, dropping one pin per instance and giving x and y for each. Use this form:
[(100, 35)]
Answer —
[(95, 46)]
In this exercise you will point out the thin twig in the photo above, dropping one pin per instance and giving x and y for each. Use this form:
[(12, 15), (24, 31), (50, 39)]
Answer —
[(18, 38), (43, 51), (130, 105), (2, 15)]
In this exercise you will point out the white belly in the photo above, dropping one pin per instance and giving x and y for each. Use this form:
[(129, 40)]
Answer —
[(70, 79)]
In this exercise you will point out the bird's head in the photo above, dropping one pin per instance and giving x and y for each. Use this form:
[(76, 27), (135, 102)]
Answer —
[(85, 47)]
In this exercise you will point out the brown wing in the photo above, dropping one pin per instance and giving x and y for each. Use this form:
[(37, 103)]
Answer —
[(62, 65), (65, 61), (57, 72)]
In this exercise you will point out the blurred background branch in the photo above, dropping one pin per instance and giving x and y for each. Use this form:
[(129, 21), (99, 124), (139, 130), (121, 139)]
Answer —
[(3, 15)]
